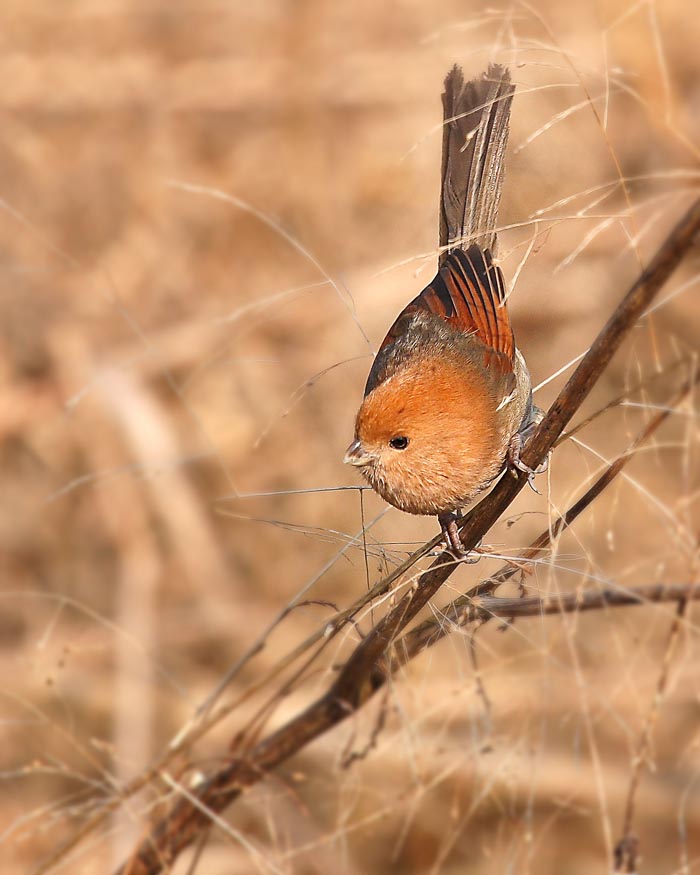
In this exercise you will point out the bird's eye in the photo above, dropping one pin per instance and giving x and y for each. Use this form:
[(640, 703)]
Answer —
[(400, 442)]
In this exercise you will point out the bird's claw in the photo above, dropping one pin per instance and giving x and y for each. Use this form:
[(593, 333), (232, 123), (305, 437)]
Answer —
[(453, 541), (514, 450)]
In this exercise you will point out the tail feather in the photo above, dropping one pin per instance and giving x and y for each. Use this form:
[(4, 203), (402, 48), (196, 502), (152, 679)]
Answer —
[(475, 136)]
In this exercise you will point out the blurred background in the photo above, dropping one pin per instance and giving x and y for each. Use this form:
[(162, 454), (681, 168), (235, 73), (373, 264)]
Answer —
[(210, 213)]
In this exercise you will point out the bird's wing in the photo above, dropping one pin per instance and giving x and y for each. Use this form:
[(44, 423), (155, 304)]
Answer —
[(468, 293)]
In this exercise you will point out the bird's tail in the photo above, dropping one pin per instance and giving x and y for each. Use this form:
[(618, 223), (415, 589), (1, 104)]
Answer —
[(474, 140)]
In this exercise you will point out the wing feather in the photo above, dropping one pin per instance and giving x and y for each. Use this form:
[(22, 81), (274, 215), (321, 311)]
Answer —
[(468, 292)]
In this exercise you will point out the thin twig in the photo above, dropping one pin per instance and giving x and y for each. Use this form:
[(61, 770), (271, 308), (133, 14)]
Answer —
[(627, 847)]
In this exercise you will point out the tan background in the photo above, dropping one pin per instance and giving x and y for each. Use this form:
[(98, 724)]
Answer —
[(155, 358)]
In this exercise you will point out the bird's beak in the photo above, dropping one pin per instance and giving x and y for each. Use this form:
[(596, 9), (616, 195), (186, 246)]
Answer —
[(356, 455)]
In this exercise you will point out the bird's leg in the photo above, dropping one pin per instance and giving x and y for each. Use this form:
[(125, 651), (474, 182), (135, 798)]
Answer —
[(450, 530), (515, 447), (453, 542)]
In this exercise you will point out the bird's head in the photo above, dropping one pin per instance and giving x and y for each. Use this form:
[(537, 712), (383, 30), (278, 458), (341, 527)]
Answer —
[(423, 437)]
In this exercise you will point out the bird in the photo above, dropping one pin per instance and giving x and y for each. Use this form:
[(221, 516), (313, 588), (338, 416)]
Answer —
[(448, 401)]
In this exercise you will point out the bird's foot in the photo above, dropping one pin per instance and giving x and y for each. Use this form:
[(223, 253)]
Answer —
[(453, 542), (515, 448)]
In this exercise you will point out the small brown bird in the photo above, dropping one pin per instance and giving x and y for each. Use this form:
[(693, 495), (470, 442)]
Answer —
[(448, 399)]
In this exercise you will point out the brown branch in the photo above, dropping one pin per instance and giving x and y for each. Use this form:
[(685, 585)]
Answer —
[(589, 600), (363, 674), (188, 820)]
